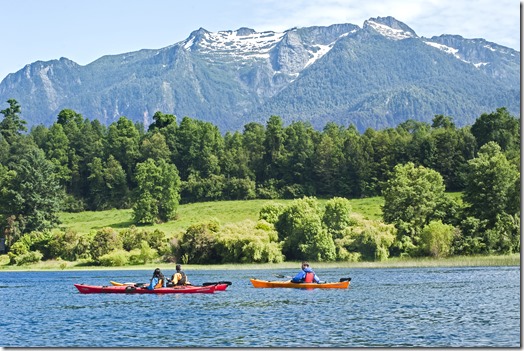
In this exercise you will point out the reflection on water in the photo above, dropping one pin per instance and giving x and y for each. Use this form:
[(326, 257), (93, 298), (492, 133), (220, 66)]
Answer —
[(403, 307)]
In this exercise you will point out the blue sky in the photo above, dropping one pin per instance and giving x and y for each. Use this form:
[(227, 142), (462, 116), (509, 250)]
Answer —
[(83, 31)]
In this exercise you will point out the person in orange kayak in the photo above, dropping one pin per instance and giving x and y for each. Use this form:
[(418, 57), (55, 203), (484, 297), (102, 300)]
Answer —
[(306, 275)]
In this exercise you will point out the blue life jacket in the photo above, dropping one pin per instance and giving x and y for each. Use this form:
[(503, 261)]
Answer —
[(156, 283)]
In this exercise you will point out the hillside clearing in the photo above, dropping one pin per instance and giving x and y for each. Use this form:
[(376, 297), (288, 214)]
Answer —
[(223, 211)]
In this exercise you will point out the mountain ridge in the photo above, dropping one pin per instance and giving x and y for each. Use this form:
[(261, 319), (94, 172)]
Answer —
[(375, 76)]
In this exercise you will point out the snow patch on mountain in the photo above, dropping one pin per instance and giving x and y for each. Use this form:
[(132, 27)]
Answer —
[(321, 50), (389, 32), (454, 52), (240, 43), (445, 48)]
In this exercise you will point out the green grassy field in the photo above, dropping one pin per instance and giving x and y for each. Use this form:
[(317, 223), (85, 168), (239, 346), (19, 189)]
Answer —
[(236, 211), (188, 214)]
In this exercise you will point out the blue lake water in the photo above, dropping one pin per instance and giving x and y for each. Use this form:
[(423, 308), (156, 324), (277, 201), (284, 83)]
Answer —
[(397, 307)]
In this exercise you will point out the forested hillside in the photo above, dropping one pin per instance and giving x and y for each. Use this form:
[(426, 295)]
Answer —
[(78, 164)]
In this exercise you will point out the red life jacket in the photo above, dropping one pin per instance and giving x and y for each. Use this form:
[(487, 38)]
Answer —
[(309, 278)]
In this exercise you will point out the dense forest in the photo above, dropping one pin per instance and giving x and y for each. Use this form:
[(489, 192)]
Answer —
[(78, 164)]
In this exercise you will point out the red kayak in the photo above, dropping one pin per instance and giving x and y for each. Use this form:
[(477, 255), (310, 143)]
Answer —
[(99, 289), (219, 286)]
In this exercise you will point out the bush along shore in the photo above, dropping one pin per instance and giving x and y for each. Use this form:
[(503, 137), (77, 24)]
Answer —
[(345, 237)]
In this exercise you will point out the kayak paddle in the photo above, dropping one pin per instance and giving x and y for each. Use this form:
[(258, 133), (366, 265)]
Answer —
[(283, 276), (217, 283)]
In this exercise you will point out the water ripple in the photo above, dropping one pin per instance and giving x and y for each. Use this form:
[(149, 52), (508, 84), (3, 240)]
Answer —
[(405, 307)]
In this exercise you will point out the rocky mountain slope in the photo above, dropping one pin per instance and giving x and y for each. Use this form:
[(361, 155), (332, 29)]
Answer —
[(377, 76)]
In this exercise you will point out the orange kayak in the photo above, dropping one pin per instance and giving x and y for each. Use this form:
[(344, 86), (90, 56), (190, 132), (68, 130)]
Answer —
[(257, 283)]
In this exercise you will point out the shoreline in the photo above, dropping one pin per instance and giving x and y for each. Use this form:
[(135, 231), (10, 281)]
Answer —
[(456, 261)]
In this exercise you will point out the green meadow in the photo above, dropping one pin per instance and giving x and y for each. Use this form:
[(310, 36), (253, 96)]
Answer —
[(223, 211), (227, 212)]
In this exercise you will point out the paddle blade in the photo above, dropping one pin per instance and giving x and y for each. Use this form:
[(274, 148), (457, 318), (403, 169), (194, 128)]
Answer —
[(216, 283)]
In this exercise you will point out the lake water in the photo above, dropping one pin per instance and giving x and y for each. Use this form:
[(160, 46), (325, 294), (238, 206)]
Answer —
[(398, 307)]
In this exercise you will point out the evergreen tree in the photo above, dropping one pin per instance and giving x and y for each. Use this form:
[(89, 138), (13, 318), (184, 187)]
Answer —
[(492, 185), (154, 146), (499, 127), (57, 151), (273, 148), (157, 193), (297, 167), (235, 160), (161, 121), (199, 148), (412, 197), (12, 125), (36, 195), (253, 143), (123, 143)]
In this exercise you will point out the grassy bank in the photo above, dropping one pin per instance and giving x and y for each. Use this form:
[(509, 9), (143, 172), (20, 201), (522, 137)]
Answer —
[(459, 261)]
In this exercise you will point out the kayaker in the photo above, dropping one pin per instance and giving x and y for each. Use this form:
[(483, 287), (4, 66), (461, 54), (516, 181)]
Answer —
[(158, 280), (179, 278), (306, 275)]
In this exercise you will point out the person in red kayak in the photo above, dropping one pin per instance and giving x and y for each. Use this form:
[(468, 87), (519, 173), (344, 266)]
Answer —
[(179, 278), (158, 280), (306, 275)]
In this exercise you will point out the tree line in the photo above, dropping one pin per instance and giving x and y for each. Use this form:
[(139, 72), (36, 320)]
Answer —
[(78, 164)]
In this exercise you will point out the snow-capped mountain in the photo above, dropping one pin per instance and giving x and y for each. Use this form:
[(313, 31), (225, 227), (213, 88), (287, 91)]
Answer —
[(375, 76)]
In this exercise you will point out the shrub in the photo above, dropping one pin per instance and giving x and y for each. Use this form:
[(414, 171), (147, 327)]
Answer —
[(40, 242), (135, 257), (268, 190), (271, 211), (29, 243), (69, 245), (115, 258), (240, 189), (104, 241), (28, 257), (132, 238), (147, 254), (158, 240), (198, 243), (337, 216), (367, 240), (300, 228), (436, 239), (246, 242)]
